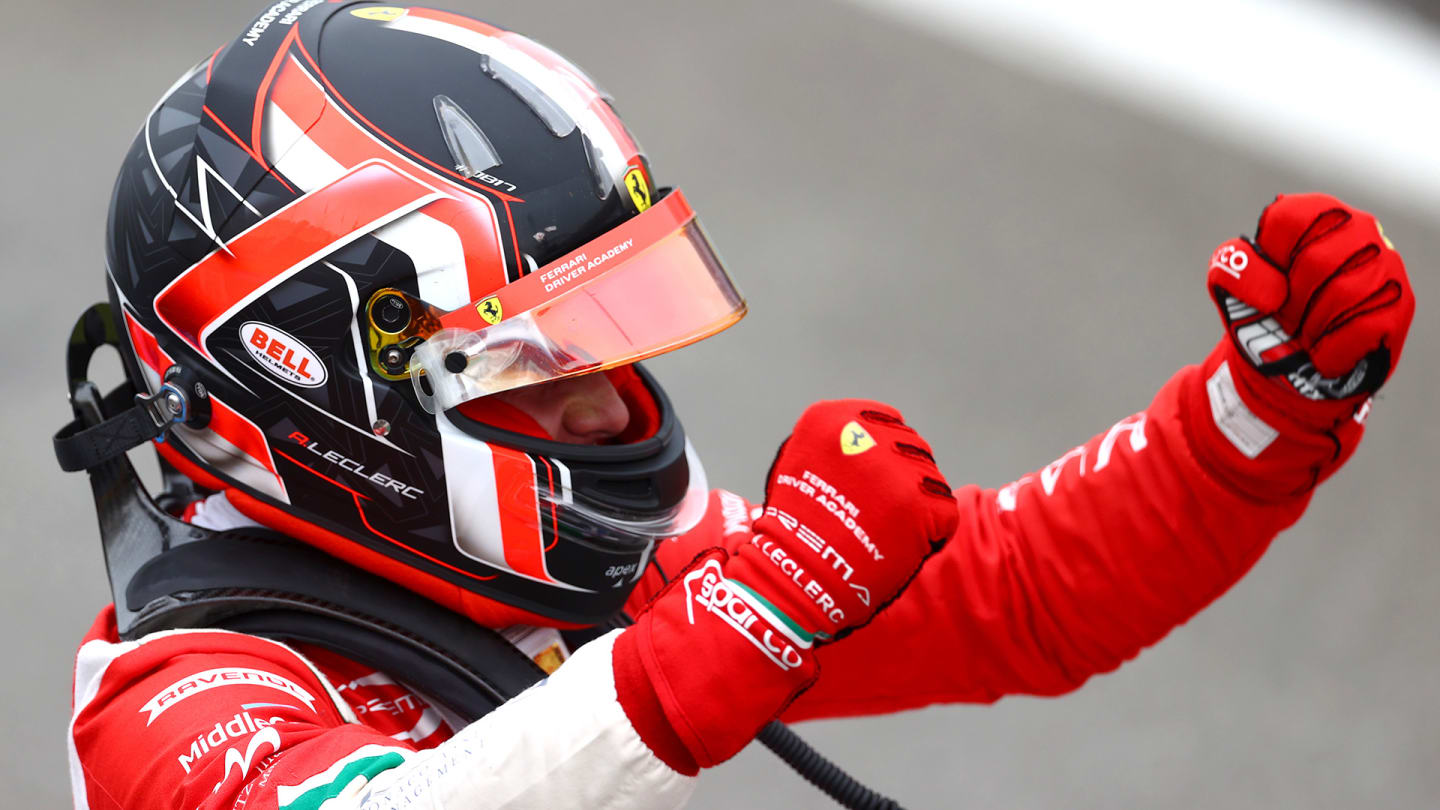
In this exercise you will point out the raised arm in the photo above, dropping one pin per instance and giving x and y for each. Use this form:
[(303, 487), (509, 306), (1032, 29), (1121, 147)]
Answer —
[(1073, 569)]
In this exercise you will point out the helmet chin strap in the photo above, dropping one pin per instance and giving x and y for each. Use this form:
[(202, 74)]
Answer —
[(92, 438)]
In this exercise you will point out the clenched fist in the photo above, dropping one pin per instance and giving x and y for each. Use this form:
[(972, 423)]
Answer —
[(853, 504), (1316, 309), (1319, 296)]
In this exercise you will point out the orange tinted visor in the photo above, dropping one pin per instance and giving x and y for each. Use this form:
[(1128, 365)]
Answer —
[(649, 286)]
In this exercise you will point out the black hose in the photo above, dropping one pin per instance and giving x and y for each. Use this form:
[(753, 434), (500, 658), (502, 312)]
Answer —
[(821, 772)]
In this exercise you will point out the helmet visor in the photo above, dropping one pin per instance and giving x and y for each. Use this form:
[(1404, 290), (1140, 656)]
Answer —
[(649, 286)]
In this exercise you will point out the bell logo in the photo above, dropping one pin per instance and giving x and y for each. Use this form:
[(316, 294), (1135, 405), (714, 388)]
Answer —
[(854, 439), (283, 355), (490, 310)]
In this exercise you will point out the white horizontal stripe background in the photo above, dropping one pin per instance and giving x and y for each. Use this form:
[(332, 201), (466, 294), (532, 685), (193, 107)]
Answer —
[(1334, 91)]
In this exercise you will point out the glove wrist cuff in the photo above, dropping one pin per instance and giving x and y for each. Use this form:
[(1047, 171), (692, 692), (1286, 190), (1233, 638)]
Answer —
[(1267, 443), (1276, 401), (705, 667)]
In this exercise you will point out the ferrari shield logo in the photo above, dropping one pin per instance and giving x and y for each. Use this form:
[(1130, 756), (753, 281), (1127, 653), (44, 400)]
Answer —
[(854, 439), (638, 188), (490, 310), (379, 13)]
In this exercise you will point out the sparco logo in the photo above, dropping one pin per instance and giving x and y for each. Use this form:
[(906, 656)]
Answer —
[(1229, 259), (222, 676), (708, 588), (283, 355)]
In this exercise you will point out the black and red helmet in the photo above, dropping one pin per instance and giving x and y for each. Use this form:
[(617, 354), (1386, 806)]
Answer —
[(354, 223)]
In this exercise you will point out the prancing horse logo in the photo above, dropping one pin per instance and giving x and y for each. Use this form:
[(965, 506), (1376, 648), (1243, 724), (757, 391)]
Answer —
[(854, 439), (639, 189), (490, 310)]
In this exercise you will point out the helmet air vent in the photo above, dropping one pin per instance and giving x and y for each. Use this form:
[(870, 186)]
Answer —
[(472, 151), (545, 108)]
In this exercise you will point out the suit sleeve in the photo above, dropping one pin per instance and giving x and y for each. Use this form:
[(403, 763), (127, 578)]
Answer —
[(1073, 569), (220, 721)]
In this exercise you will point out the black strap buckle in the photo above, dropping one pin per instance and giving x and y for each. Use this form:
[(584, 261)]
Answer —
[(104, 427)]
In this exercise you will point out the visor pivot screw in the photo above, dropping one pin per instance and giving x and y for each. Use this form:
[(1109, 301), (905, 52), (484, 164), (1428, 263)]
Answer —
[(393, 359), (455, 362), (174, 402), (381, 427), (390, 313)]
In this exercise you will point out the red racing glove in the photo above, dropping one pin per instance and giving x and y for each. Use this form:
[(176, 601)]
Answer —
[(1317, 307), (854, 505)]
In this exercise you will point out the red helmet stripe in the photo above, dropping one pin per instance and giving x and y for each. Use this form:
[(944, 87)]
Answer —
[(336, 135), (281, 55), (449, 174), (147, 348), (475, 223), (240, 433), (515, 483), (243, 434), (253, 156), (277, 247), (554, 515)]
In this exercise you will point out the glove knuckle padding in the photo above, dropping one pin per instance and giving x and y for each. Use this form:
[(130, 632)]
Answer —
[(1347, 322), (1294, 221)]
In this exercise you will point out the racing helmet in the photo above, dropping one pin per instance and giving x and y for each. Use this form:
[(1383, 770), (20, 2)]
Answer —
[(355, 223)]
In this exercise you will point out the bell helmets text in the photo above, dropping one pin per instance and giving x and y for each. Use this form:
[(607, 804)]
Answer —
[(283, 355)]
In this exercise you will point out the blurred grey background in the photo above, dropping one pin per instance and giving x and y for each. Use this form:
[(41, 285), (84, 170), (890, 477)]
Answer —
[(1009, 253)]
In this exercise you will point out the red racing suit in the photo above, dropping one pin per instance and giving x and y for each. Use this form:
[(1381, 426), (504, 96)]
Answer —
[(1063, 574)]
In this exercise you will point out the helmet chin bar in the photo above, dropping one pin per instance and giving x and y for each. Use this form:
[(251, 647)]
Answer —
[(615, 499)]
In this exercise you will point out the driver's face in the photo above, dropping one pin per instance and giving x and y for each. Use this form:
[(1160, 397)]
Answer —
[(578, 410)]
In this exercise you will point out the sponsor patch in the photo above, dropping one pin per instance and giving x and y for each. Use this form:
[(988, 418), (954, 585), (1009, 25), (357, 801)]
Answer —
[(1247, 432), (283, 355), (222, 732), (235, 760), (735, 605), (192, 685)]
